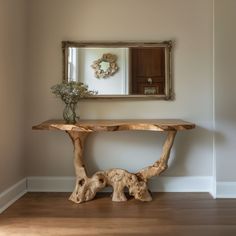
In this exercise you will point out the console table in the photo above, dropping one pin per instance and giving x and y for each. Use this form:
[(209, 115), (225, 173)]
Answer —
[(86, 187)]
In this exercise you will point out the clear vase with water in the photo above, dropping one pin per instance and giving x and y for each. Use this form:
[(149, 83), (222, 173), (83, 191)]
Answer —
[(69, 114)]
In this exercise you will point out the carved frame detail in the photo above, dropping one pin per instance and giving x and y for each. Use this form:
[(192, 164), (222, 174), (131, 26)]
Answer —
[(168, 45)]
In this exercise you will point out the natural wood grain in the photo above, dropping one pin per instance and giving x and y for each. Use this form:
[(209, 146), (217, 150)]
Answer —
[(185, 214), (161, 165), (86, 187), (116, 125)]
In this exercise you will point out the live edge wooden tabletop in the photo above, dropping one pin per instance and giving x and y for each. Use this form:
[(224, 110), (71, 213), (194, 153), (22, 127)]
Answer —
[(116, 125)]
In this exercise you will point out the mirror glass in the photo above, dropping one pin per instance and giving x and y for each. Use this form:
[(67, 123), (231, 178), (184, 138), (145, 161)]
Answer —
[(120, 69)]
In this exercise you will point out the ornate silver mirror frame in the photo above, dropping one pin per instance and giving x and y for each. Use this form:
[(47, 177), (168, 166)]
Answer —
[(165, 92)]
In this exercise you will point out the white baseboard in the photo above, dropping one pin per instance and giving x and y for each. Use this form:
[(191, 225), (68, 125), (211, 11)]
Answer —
[(50, 184), (10, 195), (181, 184), (159, 184), (226, 190)]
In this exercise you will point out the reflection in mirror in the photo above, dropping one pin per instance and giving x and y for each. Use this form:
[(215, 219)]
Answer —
[(106, 66), (120, 69)]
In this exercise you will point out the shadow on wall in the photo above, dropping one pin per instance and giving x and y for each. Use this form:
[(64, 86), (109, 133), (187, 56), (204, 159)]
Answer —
[(135, 150), (126, 150), (186, 155)]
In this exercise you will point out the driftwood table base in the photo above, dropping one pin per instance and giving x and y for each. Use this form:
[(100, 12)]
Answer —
[(87, 187)]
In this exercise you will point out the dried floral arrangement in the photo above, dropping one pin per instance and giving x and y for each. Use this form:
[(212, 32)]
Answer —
[(70, 93)]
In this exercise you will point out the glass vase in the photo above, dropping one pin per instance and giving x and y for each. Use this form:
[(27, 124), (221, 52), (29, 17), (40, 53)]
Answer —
[(69, 114)]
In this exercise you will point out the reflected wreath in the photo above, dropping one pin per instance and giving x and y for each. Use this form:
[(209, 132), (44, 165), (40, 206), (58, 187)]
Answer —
[(111, 69)]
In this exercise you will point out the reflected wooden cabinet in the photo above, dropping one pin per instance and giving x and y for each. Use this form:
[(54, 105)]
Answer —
[(148, 71)]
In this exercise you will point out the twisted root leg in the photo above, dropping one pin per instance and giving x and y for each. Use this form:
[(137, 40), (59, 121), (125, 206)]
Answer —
[(86, 188)]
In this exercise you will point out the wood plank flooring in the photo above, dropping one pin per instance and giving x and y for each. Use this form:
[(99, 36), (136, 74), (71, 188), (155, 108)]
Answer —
[(168, 214)]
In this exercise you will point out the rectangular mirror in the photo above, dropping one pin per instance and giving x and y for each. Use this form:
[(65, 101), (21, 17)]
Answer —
[(120, 70)]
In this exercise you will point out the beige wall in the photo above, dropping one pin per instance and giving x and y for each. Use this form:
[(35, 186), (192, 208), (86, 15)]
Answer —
[(225, 84), (188, 22), (25, 98), (12, 76)]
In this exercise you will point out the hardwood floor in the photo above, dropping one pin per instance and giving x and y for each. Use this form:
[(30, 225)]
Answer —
[(168, 214)]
